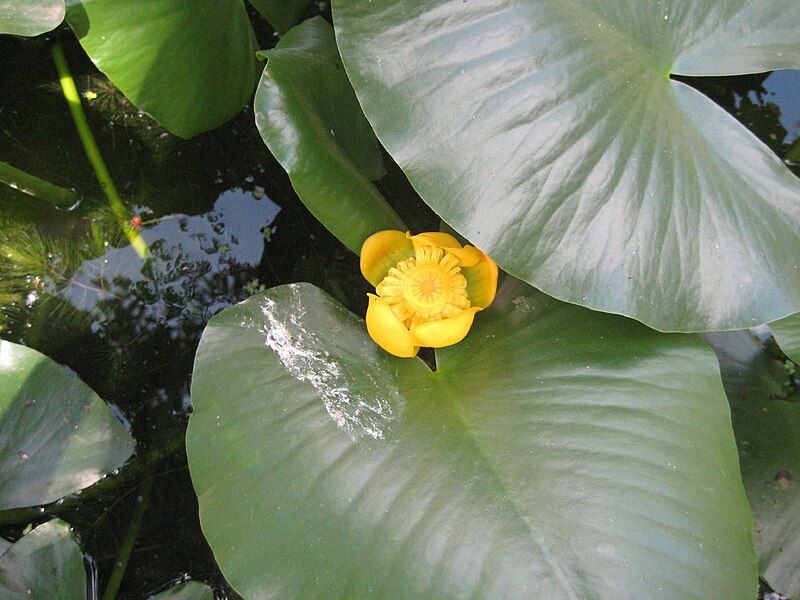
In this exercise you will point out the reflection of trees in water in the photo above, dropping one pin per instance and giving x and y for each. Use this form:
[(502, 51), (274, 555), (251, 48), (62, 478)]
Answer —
[(132, 323), (35, 266), (747, 98)]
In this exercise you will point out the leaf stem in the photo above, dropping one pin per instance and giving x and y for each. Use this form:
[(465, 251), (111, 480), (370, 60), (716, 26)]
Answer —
[(38, 188), (125, 550), (93, 152)]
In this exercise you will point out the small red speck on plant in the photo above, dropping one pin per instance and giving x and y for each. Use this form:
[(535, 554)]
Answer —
[(136, 222)]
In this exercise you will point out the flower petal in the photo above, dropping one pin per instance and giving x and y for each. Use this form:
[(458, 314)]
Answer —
[(481, 281), (446, 332), (468, 256), (435, 238), (387, 330), (383, 250)]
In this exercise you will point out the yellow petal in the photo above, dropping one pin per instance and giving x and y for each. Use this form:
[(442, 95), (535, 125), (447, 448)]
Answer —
[(446, 332), (468, 256), (435, 238), (481, 281), (387, 330), (383, 250)]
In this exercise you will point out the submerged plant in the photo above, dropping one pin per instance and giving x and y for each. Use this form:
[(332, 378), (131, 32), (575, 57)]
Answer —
[(428, 286)]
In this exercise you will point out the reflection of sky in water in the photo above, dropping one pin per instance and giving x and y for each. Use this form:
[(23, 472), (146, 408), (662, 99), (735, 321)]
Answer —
[(783, 89), (186, 253)]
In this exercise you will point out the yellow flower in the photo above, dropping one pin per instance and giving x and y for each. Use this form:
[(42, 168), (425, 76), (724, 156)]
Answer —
[(428, 289)]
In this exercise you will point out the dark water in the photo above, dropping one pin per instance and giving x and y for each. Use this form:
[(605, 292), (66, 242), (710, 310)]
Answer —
[(223, 223)]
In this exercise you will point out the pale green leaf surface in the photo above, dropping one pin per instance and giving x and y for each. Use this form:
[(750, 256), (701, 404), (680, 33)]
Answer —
[(767, 429), (310, 120), (189, 63), (550, 134), (555, 453), (45, 564), (30, 17), (56, 435), (787, 334)]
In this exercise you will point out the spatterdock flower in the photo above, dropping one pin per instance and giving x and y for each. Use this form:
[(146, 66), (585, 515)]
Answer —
[(428, 289)]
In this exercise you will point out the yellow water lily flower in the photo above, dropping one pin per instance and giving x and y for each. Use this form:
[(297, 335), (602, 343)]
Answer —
[(428, 289)]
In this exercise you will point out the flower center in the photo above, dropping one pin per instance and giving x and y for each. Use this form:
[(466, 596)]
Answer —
[(427, 287)]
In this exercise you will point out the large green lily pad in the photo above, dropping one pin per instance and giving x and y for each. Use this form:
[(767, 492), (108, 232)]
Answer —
[(556, 452), (309, 117), (56, 435), (768, 435), (47, 563), (549, 133), (189, 63), (787, 334), (30, 17)]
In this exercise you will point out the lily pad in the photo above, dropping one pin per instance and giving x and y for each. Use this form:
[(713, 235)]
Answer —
[(189, 63), (56, 435), (787, 334), (190, 590), (309, 117), (46, 563), (550, 134), (556, 452), (767, 432), (30, 17), (281, 14)]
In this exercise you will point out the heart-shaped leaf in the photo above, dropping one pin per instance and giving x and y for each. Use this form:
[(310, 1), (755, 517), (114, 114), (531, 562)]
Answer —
[(56, 435), (30, 17), (767, 432), (787, 334), (310, 120), (189, 63), (556, 452), (281, 14), (46, 563), (550, 134)]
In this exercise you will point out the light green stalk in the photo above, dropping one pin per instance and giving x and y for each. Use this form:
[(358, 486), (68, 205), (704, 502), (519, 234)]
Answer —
[(38, 188), (93, 152)]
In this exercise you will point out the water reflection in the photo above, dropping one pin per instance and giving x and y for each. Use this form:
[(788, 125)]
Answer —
[(190, 256), (114, 317), (783, 90), (768, 104)]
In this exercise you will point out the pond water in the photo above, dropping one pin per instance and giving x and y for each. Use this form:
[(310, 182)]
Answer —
[(222, 223)]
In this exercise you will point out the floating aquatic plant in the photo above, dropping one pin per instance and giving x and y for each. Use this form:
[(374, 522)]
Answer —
[(428, 286)]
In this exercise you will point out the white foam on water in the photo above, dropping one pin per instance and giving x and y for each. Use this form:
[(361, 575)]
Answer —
[(358, 407)]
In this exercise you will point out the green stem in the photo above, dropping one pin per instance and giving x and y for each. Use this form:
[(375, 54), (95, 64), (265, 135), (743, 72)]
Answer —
[(144, 464), (125, 550), (93, 152), (38, 188)]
